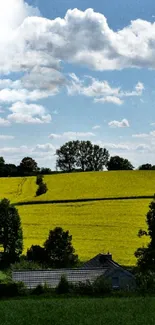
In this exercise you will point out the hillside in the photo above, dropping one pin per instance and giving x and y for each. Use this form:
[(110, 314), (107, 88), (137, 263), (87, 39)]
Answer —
[(96, 226), (81, 185)]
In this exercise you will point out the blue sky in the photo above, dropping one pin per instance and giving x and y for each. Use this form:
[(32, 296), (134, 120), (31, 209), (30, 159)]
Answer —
[(89, 74)]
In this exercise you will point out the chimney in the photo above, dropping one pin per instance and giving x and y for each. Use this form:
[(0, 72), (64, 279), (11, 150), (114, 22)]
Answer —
[(105, 258)]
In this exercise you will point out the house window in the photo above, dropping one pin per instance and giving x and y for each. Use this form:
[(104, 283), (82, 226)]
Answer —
[(115, 282)]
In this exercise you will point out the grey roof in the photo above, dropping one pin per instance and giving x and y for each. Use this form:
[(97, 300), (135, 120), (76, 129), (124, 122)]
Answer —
[(101, 261), (33, 278)]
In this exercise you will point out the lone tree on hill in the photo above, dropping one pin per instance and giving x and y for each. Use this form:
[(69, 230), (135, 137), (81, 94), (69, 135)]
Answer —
[(81, 155), (28, 166), (146, 255), (11, 235), (59, 249), (119, 163)]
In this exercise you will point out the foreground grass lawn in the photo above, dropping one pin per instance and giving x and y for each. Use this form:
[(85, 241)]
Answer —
[(95, 226), (81, 311)]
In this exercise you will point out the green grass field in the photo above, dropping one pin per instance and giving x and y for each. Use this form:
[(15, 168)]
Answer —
[(83, 311), (95, 226)]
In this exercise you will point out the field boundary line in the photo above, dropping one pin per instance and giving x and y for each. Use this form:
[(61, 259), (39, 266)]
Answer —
[(84, 200)]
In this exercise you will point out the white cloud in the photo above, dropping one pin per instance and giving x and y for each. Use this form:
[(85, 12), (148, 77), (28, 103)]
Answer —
[(109, 99), (101, 91), (6, 137), (119, 124), (55, 136), (45, 147), (71, 135), (4, 122), (96, 127), (82, 37), (28, 113), (118, 146), (144, 135), (143, 147), (140, 135)]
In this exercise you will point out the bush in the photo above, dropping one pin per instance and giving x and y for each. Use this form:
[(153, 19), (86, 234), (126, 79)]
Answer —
[(37, 254), (42, 189), (12, 289), (102, 286), (63, 286), (145, 282), (39, 179), (26, 265), (84, 288), (39, 290)]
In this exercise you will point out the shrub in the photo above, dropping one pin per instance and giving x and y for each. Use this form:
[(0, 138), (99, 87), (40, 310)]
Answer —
[(39, 290), (37, 254), (102, 286), (12, 289), (84, 288), (63, 286), (39, 179), (145, 282), (42, 189), (26, 265)]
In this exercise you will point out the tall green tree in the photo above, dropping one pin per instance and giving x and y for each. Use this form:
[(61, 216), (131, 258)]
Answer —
[(2, 167), (59, 249), (28, 166), (146, 255), (119, 163), (82, 155), (66, 156), (11, 235)]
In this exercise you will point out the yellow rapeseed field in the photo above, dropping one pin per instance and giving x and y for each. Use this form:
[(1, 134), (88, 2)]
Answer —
[(95, 226)]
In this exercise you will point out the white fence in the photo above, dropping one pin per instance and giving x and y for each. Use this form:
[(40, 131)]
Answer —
[(52, 277)]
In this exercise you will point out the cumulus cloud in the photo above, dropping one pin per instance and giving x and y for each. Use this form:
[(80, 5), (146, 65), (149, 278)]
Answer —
[(119, 124), (6, 137), (140, 135), (28, 113), (83, 37), (101, 91), (96, 127), (4, 122), (45, 147), (109, 99), (71, 135)]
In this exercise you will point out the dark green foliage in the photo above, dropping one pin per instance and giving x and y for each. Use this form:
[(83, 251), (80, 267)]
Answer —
[(39, 179), (102, 286), (145, 167), (42, 189), (81, 155), (39, 290), (45, 171), (28, 166), (11, 235), (37, 254), (84, 288), (27, 265), (63, 286), (119, 163), (146, 255), (145, 282), (12, 289), (59, 249), (10, 170)]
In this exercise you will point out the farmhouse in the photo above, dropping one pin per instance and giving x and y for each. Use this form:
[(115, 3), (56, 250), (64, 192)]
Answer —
[(100, 265)]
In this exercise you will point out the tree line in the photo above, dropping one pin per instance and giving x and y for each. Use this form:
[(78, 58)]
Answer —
[(73, 156)]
